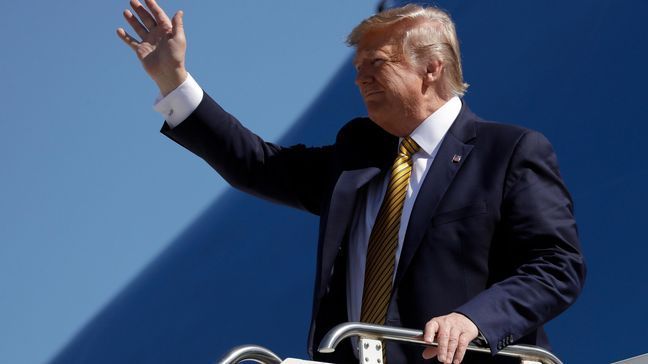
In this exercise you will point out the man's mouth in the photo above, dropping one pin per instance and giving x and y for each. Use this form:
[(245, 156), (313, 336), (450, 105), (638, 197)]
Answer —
[(372, 92)]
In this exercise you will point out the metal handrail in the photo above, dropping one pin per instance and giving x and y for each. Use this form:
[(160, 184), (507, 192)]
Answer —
[(348, 329), (255, 353)]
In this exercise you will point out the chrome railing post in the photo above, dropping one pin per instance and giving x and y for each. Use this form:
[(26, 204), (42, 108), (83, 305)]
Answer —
[(255, 353)]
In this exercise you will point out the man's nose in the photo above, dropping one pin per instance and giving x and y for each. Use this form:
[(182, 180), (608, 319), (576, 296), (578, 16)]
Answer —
[(363, 76)]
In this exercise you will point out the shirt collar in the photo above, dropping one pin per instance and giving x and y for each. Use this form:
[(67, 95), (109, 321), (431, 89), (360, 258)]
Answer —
[(430, 132)]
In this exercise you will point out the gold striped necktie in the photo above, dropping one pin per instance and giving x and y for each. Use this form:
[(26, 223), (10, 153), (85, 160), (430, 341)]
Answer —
[(381, 250)]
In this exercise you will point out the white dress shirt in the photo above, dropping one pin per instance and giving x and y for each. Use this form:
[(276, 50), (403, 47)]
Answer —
[(182, 101)]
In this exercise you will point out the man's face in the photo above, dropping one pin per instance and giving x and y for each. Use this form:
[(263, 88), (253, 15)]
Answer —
[(392, 87)]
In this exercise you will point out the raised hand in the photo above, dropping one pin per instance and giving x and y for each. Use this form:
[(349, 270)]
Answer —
[(163, 44)]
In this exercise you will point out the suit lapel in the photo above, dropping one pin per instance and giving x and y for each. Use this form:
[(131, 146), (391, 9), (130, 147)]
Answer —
[(439, 177), (364, 150), (343, 203)]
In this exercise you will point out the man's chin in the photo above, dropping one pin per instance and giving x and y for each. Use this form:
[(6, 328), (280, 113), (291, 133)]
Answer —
[(376, 97), (375, 107)]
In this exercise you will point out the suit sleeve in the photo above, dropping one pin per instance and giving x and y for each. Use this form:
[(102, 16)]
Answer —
[(295, 176), (539, 237)]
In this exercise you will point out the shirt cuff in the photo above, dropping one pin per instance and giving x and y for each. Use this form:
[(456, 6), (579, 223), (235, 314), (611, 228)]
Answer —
[(180, 103)]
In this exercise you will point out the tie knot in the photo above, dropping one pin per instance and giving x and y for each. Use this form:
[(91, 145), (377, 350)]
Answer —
[(408, 147)]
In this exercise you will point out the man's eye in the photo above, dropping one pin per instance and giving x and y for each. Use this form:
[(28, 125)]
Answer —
[(377, 61)]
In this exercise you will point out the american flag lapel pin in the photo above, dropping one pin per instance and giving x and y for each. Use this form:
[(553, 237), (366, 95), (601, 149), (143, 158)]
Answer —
[(456, 158)]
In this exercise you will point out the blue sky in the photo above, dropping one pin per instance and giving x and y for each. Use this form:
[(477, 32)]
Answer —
[(90, 191)]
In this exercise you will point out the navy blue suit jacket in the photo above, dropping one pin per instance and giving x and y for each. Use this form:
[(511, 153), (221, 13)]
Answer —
[(491, 236)]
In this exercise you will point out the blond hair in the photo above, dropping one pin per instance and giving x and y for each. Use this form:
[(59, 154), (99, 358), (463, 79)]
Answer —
[(431, 36)]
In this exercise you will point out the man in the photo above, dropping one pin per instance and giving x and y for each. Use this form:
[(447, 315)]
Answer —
[(430, 217)]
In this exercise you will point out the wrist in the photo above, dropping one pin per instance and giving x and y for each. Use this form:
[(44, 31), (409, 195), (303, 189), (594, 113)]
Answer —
[(171, 81)]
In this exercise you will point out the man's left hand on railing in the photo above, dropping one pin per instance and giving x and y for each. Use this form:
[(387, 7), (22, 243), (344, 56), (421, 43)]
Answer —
[(453, 333)]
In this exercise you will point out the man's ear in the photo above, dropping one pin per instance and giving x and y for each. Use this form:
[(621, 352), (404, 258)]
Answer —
[(433, 71)]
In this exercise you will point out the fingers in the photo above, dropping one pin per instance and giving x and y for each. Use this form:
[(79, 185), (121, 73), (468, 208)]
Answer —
[(135, 24), (452, 334), (158, 13), (443, 339), (463, 342), (146, 17), (178, 25), (428, 335), (453, 341), (130, 41), (431, 329)]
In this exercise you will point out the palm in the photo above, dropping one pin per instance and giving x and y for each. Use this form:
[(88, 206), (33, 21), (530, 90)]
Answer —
[(163, 43), (160, 50)]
